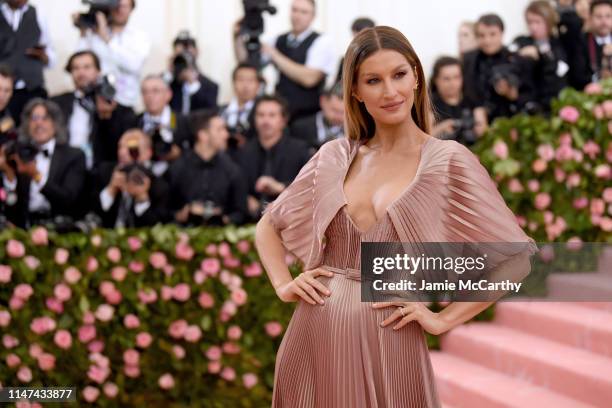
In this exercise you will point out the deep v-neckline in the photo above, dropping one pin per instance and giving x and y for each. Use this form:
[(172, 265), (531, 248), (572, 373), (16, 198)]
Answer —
[(405, 191)]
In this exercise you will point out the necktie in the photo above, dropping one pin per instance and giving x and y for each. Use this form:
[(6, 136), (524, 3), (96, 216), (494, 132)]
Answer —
[(293, 42)]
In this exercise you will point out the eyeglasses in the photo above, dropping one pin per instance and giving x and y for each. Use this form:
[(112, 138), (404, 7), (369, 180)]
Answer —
[(39, 118)]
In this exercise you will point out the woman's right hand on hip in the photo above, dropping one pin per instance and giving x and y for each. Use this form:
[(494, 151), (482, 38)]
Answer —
[(305, 286)]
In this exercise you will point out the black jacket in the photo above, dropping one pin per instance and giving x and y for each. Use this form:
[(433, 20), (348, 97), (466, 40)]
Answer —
[(205, 98), (67, 174)]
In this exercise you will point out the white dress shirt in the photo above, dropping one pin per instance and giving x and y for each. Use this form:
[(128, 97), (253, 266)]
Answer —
[(123, 56), (233, 115), (39, 202), (79, 125), (13, 17), (604, 40)]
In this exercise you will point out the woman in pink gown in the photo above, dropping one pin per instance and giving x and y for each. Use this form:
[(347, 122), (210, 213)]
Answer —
[(388, 181)]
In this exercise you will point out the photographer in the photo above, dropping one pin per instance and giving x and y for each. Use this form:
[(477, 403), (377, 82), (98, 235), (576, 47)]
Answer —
[(43, 175), (454, 117), (220, 195), (543, 46), (271, 160), (597, 49), (121, 48), (7, 123), (128, 194), (247, 84), (325, 125), (495, 78), (191, 90), (168, 130), (302, 56), (25, 46)]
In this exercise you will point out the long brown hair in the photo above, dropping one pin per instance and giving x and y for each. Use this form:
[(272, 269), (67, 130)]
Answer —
[(359, 123)]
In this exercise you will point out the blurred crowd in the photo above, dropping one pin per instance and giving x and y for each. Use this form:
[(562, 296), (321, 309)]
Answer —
[(85, 158)]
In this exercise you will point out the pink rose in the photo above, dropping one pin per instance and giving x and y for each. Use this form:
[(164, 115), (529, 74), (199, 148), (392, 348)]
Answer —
[(96, 240), (88, 317), (603, 171), (63, 339), (598, 112), (119, 273), (106, 287), (147, 296), (5, 273), (9, 341), (573, 180), (192, 333), (273, 329), (111, 390), (199, 277), (211, 249), (229, 307), (114, 297), (158, 260), (15, 249), (542, 201), (97, 373), (539, 166), (39, 236), (42, 325), (35, 350), (243, 246), (231, 262), (134, 243), (87, 333), (607, 195), (92, 264), (206, 300), (166, 381), (231, 348), (31, 262), (606, 224), (533, 185), (181, 292), (178, 352), (514, 185), (46, 362), (24, 374), (569, 114), (12, 360), (136, 266), (546, 152), (547, 253), (143, 339), (224, 250), (253, 270), (598, 206), (213, 353), (559, 175), (580, 203), (5, 318), (166, 292), (239, 296), (184, 251), (607, 107), (16, 303), (96, 346), (591, 149), (90, 394), (62, 292), (177, 328), (61, 256), (594, 88), (249, 380), (210, 266), (113, 254), (100, 359), (214, 367), (131, 371), (105, 312), (72, 275), (574, 244), (131, 321), (500, 149), (131, 357), (564, 153), (228, 374), (168, 270)]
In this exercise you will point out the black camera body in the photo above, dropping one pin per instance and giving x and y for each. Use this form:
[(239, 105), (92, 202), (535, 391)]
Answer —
[(464, 128), (88, 19), (185, 60), (104, 87), (26, 151), (161, 146), (135, 173), (504, 72), (252, 27)]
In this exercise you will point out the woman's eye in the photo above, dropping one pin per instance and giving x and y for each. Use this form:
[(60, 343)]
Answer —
[(372, 80), (400, 74)]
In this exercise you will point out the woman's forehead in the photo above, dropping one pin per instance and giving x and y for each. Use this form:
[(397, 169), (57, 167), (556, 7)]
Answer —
[(382, 61)]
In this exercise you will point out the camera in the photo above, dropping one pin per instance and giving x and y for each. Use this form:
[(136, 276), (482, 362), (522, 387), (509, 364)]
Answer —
[(26, 151), (204, 213), (135, 173), (463, 129), (104, 87), (88, 19), (252, 26), (185, 59), (504, 72)]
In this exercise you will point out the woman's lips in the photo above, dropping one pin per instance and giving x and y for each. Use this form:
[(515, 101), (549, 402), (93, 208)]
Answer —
[(392, 106)]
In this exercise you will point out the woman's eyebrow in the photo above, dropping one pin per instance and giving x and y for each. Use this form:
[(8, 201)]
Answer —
[(376, 73)]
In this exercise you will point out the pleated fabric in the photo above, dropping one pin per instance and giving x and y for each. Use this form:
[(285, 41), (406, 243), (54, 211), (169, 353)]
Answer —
[(337, 354)]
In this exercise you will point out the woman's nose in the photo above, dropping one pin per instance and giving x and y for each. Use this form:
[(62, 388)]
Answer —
[(389, 89)]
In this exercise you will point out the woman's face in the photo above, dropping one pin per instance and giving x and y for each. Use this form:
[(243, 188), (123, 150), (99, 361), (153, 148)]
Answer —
[(449, 81), (467, 38), (385, 83), (537, 26)]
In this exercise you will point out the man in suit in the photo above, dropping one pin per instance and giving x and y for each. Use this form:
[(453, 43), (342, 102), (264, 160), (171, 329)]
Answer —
[(597, 48), (170, 131), (325, 125), (191, 90), (271, 160), (48, 175), (127, 193)]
